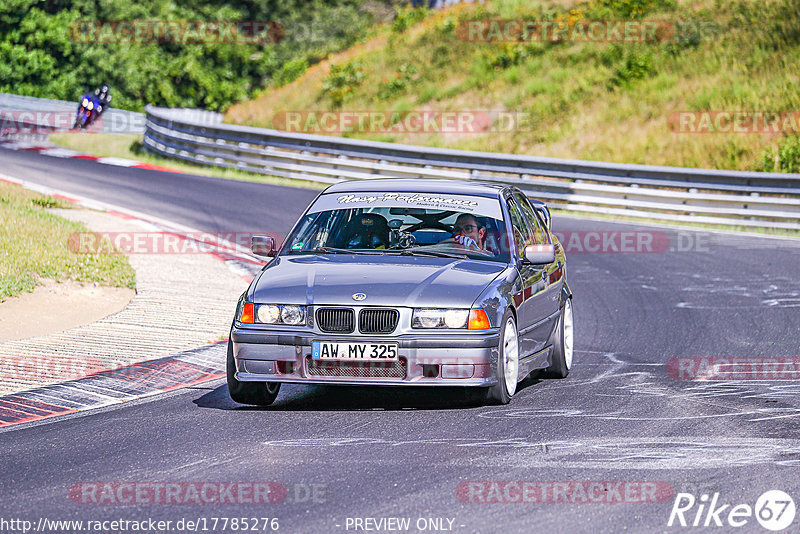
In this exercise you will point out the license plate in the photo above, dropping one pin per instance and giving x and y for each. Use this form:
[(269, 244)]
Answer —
[(336, 350)]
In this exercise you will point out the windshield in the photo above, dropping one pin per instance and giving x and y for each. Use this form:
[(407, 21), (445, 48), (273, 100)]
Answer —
[(374, 223)]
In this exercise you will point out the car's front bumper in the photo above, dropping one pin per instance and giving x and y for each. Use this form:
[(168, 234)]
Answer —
[(467, 359)]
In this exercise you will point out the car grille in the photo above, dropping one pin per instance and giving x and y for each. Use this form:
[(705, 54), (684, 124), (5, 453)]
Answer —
[(336, 320), (395, 369), (377, 321)]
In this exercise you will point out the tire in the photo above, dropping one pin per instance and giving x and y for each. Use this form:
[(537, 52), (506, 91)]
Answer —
[(563, 345), (255, 393), (507, 363)]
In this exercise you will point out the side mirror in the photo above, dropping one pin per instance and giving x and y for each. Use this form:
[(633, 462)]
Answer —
[(263, 246), (540, 254)]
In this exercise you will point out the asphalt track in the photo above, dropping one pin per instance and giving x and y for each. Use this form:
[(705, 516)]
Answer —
[(378, 453)]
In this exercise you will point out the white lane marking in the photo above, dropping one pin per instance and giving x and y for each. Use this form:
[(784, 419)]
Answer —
[(18, 146), (119, 162), (59, 152)]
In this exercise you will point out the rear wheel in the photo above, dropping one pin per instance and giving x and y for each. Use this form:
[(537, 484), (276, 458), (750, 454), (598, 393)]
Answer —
[(562, 347), (507, 363), (256, 393)]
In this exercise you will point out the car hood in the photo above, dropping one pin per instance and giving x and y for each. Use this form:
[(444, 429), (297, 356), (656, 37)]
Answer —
[(386, 280)]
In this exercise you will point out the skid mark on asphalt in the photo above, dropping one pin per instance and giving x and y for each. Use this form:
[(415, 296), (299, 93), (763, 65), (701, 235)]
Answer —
[(767, 292), (116, 386), (642, 378), (692, 452), (620, 453), (704, 403)]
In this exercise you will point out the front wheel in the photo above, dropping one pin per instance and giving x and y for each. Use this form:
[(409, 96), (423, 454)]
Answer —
[(255, 393), (507, 363), (562, 347)]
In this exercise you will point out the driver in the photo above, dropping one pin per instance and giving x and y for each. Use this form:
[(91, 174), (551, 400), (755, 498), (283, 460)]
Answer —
[(468, 232)]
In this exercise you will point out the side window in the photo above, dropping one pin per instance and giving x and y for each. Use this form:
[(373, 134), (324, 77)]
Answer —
[(522, 233), (540, 236)]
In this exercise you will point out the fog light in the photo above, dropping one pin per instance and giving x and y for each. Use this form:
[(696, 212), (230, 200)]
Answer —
[(458, 370)]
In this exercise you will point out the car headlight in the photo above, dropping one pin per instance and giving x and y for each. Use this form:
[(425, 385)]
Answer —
[(268, 314), (439, 318), (293, 315), (280, 314)]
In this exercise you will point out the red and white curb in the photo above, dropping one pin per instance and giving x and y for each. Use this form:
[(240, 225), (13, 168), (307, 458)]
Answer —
[(59, 152), (236, 257), (138, 380), (116, 386)]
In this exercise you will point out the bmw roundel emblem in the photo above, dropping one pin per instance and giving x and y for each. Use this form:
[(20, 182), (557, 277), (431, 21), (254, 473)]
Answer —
[(359, 296)]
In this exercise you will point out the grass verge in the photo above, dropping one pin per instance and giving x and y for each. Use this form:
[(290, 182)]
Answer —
[(578, 99), (33, 244)]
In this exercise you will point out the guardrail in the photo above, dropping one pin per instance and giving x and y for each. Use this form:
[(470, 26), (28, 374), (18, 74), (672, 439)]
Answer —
[(114, 120), (750, 199)]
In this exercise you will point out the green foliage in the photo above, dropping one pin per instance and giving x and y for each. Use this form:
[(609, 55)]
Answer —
[(291, 70), (42, 52), (47, 202), (633, 9), (341, 81), (587, 99), (783, 158), (407, 17), (772, 24), (690, 34), (446, 26), (635, 66), (501, 57), (397, 83)]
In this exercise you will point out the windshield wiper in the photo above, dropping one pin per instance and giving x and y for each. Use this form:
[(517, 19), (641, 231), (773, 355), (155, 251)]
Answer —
[(417, 252)]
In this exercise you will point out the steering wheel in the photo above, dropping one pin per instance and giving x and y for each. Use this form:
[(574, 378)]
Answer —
[(433, 225)]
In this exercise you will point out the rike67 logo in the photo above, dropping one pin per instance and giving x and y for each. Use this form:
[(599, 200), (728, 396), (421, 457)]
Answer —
[(774, 510)]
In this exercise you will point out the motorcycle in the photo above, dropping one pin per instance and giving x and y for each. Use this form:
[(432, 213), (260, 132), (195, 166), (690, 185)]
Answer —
[(89, 109)]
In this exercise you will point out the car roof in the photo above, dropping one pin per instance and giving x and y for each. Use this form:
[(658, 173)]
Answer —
[(414, 185)]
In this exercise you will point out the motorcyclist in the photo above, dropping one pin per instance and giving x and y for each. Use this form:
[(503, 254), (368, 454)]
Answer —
[(94, 104), (104, 97)]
